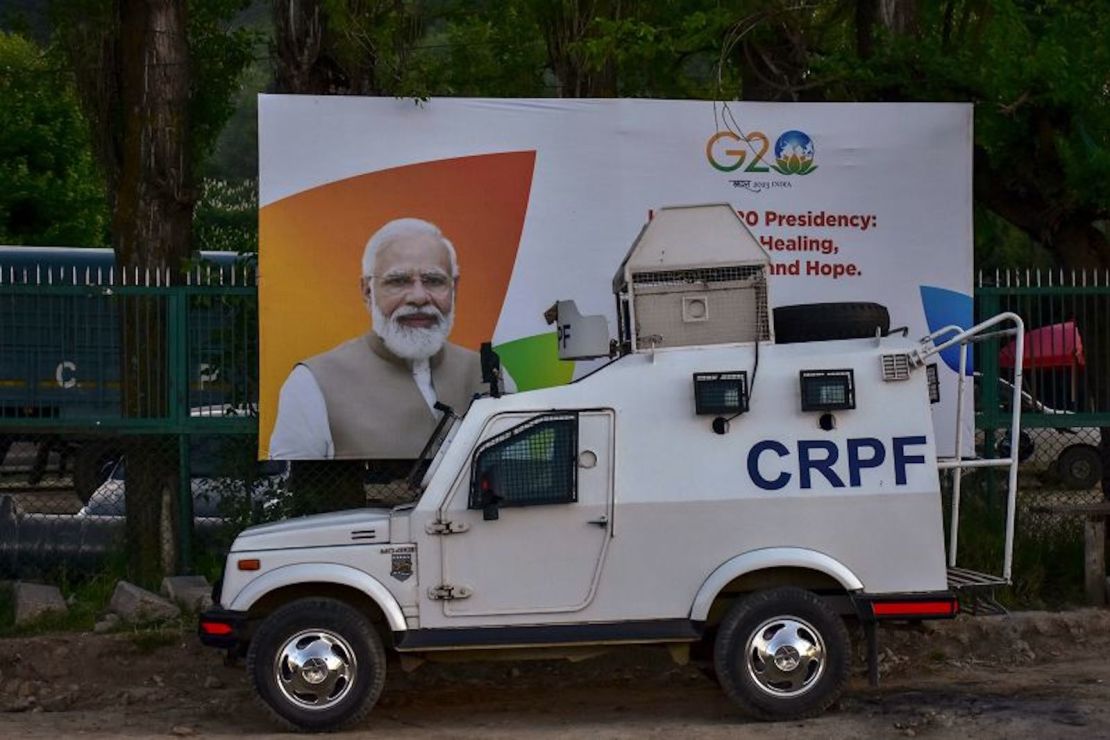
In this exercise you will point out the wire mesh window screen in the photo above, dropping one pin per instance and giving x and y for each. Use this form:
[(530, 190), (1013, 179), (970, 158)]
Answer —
[(719, 312), (699, 275), (532, 464), (731, 306)]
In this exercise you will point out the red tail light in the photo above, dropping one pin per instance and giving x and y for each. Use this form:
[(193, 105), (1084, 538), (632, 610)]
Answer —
[(932, 608), (215, 628)]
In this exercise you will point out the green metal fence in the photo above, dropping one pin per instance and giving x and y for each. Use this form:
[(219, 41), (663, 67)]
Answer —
[(121, 386), (1065, 412), (102, 372)]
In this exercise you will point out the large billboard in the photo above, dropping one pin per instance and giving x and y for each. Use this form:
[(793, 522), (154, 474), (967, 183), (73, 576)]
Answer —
[(397, 236)]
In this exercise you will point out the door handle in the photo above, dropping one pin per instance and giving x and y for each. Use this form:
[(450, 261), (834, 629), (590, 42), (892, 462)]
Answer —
[(602, 522)]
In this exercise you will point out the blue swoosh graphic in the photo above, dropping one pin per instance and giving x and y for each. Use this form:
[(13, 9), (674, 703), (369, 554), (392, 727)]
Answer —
[(945, 307)]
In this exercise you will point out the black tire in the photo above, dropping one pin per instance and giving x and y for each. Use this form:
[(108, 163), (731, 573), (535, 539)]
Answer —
[(338, 640), (786, 621), (815, 322), (1026, 447), (1079, 468)]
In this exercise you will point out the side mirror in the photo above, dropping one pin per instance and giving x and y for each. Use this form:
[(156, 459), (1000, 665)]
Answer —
[(491, 369), (491, 499)]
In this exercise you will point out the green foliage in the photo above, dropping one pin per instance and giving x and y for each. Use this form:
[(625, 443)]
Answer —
[(667, 50), (50, 191), (226, 216), (493, 50), (235, 155), (1036, 70), (219, 53), (370, 41), (999, 245)]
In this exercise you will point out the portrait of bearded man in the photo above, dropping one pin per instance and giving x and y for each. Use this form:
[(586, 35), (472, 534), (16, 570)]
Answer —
[(374, 396)]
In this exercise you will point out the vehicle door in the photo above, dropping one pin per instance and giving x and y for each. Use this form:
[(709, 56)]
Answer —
[(538, 508)]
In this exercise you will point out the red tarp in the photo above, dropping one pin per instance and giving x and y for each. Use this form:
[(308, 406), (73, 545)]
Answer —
[(1057, 345)]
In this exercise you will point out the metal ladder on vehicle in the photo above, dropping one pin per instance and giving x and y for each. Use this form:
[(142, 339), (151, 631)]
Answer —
[(977, 589)]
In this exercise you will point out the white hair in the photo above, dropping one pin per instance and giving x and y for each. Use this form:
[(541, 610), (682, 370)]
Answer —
[(399, 228), (412, 342)]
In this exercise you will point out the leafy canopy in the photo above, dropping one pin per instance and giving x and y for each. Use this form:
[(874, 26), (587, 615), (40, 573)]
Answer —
[(50, 190)]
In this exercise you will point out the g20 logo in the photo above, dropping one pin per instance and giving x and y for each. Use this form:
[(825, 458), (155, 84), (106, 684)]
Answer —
[(727, 152)]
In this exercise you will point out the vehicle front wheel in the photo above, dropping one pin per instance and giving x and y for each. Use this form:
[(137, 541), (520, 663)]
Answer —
[(782, 654), (317, 665)]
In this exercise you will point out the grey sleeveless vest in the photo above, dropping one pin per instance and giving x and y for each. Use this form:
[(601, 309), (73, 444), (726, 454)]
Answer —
[(375, 410)]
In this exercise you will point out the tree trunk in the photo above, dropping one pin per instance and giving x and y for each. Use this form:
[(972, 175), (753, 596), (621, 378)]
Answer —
[(152, 230), (566, 24), (299, 43), (901, 17), (152, 222), (867, 13)]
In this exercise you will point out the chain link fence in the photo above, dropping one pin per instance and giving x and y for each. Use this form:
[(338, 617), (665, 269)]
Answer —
[(1059, 466), (1065, 391), (128, 425), (1048, 546), (47, 527)]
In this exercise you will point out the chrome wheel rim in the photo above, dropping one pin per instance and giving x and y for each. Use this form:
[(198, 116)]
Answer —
[(785, 656), (315, 669)]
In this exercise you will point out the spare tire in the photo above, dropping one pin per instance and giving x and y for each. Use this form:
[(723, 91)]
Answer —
[(815, 322)]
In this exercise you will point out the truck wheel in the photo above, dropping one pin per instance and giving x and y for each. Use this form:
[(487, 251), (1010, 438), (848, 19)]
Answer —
[(1079, 467), (815, 322), (317, 665), (782, 654)]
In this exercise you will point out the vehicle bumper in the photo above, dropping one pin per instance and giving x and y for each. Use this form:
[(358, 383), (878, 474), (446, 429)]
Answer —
[(906, 607), (222, 628)]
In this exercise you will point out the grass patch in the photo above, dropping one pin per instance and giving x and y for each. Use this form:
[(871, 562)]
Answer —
[(7, 607), (150, 639), (1048, 555), (87, 598)]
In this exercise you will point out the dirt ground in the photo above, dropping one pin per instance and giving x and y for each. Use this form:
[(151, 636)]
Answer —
[(1036, 675)]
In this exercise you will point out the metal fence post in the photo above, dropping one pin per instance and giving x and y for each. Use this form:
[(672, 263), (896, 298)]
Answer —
[(179, 417), (988, 362)]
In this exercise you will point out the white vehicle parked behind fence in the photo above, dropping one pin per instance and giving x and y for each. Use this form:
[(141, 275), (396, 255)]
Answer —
[(1069, 454)]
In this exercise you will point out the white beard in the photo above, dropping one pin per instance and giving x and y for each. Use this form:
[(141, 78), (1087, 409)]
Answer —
[(412, 342)]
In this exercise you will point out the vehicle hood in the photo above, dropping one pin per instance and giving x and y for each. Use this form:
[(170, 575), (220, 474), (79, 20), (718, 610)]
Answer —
[(357, 527)]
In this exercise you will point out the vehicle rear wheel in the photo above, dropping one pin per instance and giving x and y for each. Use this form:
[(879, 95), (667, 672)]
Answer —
[(1079, 468), (814, 322), (782, 654), (317, 665)]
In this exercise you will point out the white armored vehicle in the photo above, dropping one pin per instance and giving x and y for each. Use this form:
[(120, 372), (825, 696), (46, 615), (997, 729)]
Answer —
[(734, 484)]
